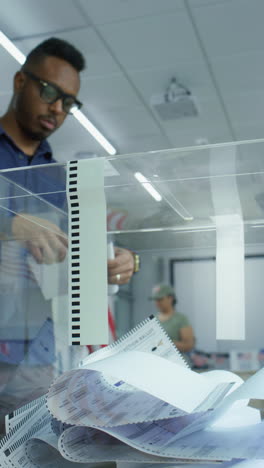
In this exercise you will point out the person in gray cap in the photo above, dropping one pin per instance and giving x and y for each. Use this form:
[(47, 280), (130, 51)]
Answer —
[(175, 324)]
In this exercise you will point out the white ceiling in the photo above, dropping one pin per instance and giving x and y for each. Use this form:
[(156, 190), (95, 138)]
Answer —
[(132, 49)]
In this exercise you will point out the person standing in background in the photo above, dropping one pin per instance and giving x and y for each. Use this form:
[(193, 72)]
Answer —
[(174, 323)]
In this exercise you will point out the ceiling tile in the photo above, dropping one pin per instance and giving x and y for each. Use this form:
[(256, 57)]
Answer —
[(240, 72), (246, 107), (111, 93), (154, 41), (199, 3), (29, 17), (108, 11), (213, 134), (249, 130), (231, 27), (129, 121)]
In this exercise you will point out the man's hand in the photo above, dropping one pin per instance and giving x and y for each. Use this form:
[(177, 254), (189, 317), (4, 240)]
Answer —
[(121, 268), (45, 241)]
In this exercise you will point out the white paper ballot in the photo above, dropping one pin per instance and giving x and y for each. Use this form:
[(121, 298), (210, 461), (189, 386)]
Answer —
[(112, 288), (128, 384), (137, 402), (52, 279)]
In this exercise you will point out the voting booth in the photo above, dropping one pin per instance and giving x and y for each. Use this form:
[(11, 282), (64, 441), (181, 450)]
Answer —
[(195, 217)]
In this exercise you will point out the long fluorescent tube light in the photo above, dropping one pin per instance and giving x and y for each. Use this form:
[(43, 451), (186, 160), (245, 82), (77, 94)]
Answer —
[(82, 119), (87, 124), (147, 186), (11, 48)]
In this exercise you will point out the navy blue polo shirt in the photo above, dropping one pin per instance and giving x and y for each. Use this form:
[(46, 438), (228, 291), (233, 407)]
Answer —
[(47, 182), (16, 187), (12, 156)]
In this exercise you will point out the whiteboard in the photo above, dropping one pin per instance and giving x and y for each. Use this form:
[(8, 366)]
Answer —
[(194, 283)]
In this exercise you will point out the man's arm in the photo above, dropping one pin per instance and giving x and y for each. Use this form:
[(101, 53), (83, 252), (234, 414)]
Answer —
[(48, 244), (187, 340)]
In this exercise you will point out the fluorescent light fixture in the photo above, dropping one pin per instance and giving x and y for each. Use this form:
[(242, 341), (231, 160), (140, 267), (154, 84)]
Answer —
[(194, 230), (82, 119), (147, 186), (12, 49), (87, 124)]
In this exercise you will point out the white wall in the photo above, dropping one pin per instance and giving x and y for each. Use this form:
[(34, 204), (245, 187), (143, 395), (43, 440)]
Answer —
[(196, 295), (194, 283), (154, 270), (195, 288)]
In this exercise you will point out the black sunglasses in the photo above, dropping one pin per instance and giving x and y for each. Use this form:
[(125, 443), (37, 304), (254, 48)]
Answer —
[(50, 93)]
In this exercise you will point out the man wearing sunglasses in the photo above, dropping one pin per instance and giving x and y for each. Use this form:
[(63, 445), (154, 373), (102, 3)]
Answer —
[(45, 92)]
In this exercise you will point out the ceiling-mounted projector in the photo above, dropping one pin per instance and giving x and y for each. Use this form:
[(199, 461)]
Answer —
[(176, 103)]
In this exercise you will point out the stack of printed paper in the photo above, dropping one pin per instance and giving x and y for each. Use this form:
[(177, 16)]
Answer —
[(137, 401)]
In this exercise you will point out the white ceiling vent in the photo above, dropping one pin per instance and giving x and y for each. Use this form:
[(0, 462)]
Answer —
[(176, 103)]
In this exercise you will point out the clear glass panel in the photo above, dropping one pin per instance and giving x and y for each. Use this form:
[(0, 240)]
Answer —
[(194, 186), (33, 332)]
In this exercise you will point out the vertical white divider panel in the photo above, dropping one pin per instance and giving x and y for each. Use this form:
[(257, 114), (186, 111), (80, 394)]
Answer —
[(230, 278), (88, 320), (230, 249)]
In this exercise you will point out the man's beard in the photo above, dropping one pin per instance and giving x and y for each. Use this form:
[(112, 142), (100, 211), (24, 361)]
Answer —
[(35, 136), (19, 105)]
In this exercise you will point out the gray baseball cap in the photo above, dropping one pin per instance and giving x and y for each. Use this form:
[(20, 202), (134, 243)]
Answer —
[(162, 290)]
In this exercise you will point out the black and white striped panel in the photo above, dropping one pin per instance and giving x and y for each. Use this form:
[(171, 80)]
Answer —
[(88, 322), (74, 253)]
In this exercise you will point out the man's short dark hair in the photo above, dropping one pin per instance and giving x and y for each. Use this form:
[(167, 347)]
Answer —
[(59, 48)]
